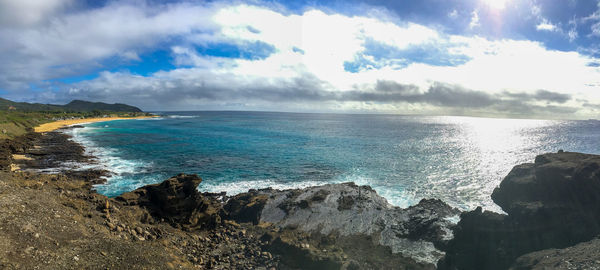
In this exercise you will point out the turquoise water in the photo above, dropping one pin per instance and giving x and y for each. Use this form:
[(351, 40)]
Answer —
[(405, 158)]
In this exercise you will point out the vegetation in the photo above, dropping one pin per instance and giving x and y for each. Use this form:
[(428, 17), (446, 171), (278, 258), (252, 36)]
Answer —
[(73, 106), (17, 118), (86, 106)]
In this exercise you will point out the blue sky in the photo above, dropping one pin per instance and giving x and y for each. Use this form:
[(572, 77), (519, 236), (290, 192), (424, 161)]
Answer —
[(504, 58)]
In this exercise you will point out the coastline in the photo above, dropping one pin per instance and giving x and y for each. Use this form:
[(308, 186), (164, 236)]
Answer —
[(52, 126), (335, 226), (225, 231), (104, 233)]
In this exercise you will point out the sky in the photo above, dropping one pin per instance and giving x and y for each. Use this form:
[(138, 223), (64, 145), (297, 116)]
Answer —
[(498, 58)]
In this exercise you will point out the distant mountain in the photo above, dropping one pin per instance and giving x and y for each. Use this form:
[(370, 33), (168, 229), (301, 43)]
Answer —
[(6, 104), (86, 106), (73, 106)]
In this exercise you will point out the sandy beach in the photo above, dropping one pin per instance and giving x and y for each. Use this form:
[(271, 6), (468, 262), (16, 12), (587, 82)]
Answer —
[(63, 123)]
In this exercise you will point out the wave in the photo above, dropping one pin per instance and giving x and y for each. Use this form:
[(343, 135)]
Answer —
[(394, 196), (104, 158), (182, 116), (237, 187)]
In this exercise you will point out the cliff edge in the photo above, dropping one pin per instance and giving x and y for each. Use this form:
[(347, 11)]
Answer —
[(553, 203)]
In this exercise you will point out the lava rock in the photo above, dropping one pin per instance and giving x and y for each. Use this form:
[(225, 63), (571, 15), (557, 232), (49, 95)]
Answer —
[(346, 210), (177, 201), (551, 203), (246, 207)]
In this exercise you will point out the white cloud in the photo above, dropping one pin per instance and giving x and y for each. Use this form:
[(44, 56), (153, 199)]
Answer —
[(326, 41), (594, 19), (474, 19), (545, 26), (453, 14), (28, 12), (595, 28), (536, 10), (76, 42)]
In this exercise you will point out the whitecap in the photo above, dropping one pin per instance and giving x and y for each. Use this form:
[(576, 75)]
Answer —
[(182, 116), (104, 158), (242, 186), (397, 197)]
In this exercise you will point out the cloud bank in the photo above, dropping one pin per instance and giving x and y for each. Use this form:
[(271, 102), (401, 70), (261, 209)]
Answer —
[(222, 55)]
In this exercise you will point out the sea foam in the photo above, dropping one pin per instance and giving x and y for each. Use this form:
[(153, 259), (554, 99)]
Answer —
[(241, 186), (106, 158)]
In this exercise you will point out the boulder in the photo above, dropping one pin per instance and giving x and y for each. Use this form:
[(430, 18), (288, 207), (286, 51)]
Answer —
[(178, 201)]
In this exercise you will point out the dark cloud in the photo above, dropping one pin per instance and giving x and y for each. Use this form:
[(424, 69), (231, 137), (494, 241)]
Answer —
[(438, 94), (541, 95), (456, 96), (308, 89)]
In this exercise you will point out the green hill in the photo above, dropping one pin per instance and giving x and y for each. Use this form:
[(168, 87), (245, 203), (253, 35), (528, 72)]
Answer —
[(18, 118), (73, 106), (86, 106)]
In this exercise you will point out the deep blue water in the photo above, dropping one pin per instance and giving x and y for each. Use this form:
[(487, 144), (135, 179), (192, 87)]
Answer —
[(405, 158)]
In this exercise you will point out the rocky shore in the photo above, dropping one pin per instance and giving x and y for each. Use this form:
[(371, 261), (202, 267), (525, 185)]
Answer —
[(341, 226), (56, 219), (553, 208)]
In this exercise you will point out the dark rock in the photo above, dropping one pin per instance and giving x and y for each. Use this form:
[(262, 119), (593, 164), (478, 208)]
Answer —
[(585, 255), (297, 256), (345, 203), (246, 207), (17, 145), (91, 176), (552, 203), (177, 201), (54, 149)]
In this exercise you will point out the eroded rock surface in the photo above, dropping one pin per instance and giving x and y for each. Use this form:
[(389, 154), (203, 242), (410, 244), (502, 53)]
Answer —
[(347, 210)]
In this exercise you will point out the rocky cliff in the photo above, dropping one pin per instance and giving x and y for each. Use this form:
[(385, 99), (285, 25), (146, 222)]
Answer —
[(551, 203)]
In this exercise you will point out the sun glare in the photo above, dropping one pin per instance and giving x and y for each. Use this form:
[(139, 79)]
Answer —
[(496, 4)]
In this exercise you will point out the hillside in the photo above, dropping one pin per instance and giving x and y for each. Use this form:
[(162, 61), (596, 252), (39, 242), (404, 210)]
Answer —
[(73, 106), (17, 118), (6, 104)]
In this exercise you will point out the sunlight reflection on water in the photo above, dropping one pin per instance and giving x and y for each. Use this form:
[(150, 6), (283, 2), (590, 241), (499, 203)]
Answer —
[(491, 147)]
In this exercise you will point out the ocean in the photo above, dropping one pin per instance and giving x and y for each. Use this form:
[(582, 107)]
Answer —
[(459, 160)]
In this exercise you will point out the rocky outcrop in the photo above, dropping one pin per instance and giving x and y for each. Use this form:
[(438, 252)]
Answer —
[(585, 255), (338, 212), (551, 203), (53, 150), (177, 201), (18, 145)]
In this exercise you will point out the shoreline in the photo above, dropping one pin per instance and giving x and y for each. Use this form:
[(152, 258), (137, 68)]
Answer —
[(313, 227), (52, 126), (219, 236)]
